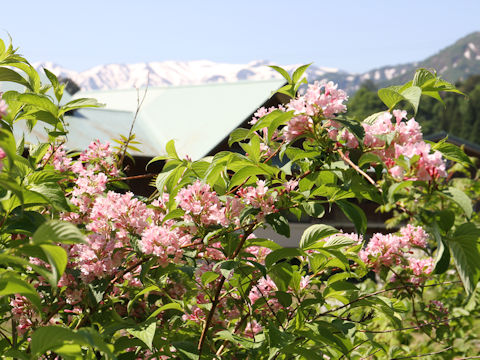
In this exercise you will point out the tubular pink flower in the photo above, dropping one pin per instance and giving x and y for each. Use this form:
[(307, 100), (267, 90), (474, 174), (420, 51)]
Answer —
[(3, 155)]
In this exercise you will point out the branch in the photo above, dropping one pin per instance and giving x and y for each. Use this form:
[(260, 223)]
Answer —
[(360, 171), (383, 291), (139, 105), (143, 176), (422, 355), (122, 273), (216, 298)]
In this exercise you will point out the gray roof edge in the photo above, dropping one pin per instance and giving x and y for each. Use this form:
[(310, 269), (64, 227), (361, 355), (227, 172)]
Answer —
[(167, 87)]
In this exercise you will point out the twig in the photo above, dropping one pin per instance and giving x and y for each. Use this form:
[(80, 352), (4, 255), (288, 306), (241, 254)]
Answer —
[(381, 292), (356, 347), (122, 273), (422, 355), (237, 327), (360, 171), (216, 298), (274, 153), (143, 176), (409, 328), (139, 105), (369, 356), (53, 152)]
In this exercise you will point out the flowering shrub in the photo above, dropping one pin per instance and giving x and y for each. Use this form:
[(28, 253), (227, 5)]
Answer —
[(90, 271)]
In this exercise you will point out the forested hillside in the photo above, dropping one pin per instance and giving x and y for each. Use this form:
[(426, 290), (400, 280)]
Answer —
[(460, 116)]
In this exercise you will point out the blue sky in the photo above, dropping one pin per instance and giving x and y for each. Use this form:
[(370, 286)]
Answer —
[(347, 34)]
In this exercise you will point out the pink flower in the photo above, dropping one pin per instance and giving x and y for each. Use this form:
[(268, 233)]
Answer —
[(3, 155), (3, 106), (201, 204), (252, 328), (297, 126), (259, 198)]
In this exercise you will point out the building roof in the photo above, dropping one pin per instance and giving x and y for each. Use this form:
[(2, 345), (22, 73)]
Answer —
[(197, 117)]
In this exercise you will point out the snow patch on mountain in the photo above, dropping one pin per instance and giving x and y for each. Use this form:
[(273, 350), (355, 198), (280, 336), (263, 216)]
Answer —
[(125, 76)]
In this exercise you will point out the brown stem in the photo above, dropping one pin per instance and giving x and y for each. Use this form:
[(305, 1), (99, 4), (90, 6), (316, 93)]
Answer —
[(381, 292), (422, 355), (139, 105), (53, 152), (360, 171), (410, 327), (143, 176), (216, 298), (274, 153), (122, 273), (237, 327)]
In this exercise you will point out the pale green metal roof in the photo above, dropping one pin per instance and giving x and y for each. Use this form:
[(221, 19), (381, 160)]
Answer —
[(197, 117)]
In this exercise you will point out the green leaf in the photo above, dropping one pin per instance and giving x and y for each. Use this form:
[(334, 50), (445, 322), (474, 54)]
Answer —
[(464, 250), (55, 338), (262, 243), (314, 209), (238, 135), (56, 231), (355, 214), (169, 306), (80, 103), (422, 76), (140, 294), (369, 158), (370, 120), (57, 257), (41, 101), (338, 241), (279, 223), (144, 332), (446, 219), (390, 97), (281, 254), (11, 284), (315, 233), (171, 151), (53, 193), (7, 143), (353, 126), (412, 95), (13, 76), (299, 72), (174, 214), (460, 198), (281, 273), (244, 173), (209, 276), (50, 337), (282, 72), (453, 152), (442, 258)]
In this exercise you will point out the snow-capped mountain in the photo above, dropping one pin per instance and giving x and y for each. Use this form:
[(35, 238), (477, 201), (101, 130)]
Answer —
[(124, 76), (455, 62)]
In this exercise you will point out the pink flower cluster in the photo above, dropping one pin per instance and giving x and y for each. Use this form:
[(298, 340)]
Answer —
[(259, 197), (265, 288), (24, 313), (201, 205), (3, 106), (398, 250), (111, 220), (100, 157), (165, 242), (407, 142), (321, 100), (3, 155)]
